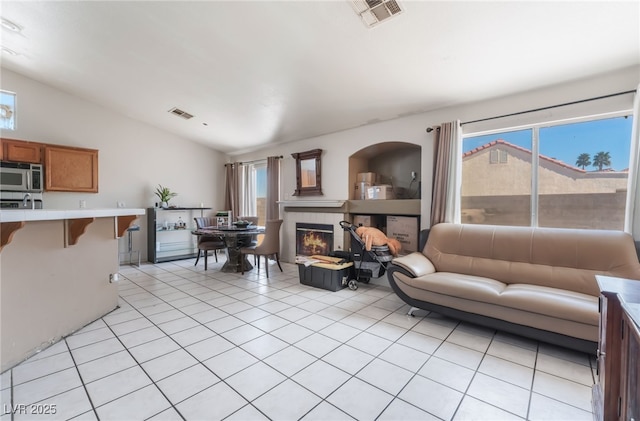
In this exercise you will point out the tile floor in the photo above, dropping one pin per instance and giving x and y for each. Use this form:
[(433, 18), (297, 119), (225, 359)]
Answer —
[(195, 345)]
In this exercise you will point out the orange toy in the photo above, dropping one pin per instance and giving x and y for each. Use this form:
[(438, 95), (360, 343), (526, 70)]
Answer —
[(374, 237)]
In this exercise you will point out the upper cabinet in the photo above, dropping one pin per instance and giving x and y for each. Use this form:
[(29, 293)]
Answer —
[(21, 151), (70, 169)]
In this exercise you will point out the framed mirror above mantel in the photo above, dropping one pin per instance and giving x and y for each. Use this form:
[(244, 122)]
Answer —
[(308, 173)]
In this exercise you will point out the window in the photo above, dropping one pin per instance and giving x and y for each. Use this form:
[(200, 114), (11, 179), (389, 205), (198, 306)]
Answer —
[(571, 175), (254, 191)]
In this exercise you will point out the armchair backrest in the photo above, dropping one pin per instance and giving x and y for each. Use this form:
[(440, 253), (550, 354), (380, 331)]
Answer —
[(271, 242), (205, 221)]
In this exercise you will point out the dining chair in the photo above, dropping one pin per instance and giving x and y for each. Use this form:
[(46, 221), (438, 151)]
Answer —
[(252, 240), (207, 243), (270, 246)]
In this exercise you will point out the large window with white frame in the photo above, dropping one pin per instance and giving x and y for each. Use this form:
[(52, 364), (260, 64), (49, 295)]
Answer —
[(570, 174)]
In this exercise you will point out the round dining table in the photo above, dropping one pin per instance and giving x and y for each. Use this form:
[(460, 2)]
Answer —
[(234, 238)]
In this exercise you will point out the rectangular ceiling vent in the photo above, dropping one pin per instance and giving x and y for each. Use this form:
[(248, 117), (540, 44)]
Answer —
[(373, 12), (180, 113)]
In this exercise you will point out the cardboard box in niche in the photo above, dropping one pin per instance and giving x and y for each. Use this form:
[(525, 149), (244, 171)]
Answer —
[(404, 229), (366, 177), (381, 192), (362, 220)]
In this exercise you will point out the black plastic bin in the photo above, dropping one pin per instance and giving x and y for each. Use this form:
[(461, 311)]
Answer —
[(325, 278)]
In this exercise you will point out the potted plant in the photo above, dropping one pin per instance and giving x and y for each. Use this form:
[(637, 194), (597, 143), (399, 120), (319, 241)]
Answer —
[(165, 195)]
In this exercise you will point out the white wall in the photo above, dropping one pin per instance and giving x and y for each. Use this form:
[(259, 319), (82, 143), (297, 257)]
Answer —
[(339, 146), (133, 157)]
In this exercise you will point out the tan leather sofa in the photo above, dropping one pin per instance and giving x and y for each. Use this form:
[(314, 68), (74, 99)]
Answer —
[(535, 282)]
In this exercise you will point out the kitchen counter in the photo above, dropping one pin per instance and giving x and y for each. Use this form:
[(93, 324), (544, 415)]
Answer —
[(19, 215), (58, 273)]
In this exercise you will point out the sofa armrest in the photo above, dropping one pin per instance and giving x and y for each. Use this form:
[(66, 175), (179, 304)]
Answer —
[(416, 263)]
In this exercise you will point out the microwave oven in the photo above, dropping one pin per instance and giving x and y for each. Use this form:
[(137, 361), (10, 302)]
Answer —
[(21, 177)]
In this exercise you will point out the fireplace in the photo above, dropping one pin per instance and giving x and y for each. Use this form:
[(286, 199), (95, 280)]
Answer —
[(313, 239)]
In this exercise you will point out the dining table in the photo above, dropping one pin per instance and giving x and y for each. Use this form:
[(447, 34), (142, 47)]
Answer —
[(235, 237)]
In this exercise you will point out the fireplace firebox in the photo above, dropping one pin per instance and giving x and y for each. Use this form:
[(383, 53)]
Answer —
[(313, 239)]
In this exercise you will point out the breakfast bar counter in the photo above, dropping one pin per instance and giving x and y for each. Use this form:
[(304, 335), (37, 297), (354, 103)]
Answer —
[(57, 269)]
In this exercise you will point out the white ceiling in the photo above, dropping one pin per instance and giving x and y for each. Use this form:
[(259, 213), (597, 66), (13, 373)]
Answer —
[(261, 72)]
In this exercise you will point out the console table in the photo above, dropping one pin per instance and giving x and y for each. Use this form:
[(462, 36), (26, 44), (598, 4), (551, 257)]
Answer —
[(615, 394)]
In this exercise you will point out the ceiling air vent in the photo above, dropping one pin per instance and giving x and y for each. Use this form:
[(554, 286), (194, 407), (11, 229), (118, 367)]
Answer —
[(180, 113), (373, 12)]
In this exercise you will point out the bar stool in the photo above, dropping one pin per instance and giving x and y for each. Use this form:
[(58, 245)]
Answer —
[(130, 250)]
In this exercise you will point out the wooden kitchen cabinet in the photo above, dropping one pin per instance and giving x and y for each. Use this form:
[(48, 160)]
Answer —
[(21, 151), (615, 395), (70, 169)]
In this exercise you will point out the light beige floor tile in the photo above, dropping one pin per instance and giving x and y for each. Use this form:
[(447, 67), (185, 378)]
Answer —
[(224, 324), (199, 406), (193, 335), (270, 323), (290, 360), (30, 370), (63, 406), (420, 342), (348, 359), (141, 336), (321, 378), (563, 390), (315, 322), (359, 321), (334, 313), (131, 326), (371, 344), (242, 334), (469, 340), (166, 316), (255, 380), (507, 371), (45, 387), (292, 333), (501, 394), (153, 349), (208, 348), (300, 401), (513, 353), (317, 344), (474, 410), (360, 400), (459, 355), (405, 357), (78, 340), (168, 364), (569, 370), (209, 315), (264, 346), (178, 325), (117, 385), (387, 331), (247, 413), (385, 376), (432, 397), (325, 411), (564, 353), (400, 410), (187, 383), (106, 366), (120, 317), (138, 405), (447, 373), (166, 415), (543, 408), (230, 362), (293, 314)]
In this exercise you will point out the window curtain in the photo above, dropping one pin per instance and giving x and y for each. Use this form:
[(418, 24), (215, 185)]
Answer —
[(248, 194), (273, 187), (232, 188), (632, 211), (447, 175)]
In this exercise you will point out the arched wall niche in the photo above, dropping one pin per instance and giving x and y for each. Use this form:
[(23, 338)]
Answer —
[(393, 163)]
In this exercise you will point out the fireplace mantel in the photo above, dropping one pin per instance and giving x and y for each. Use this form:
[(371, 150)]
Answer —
[(312, 203)]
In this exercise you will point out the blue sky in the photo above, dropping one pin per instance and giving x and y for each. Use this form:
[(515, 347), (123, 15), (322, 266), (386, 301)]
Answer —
[(568, 141)]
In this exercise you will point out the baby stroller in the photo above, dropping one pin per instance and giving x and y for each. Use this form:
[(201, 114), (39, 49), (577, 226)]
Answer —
[(367, 264)]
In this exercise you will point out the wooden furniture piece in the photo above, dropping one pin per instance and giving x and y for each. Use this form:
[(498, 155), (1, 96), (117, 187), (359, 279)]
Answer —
[(234, 237), (164, 241), (270, 246), (70, 169), (615, 394), (21, 151)]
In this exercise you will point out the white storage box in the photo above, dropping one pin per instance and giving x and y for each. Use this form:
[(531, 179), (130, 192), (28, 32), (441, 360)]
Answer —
[(381, 192)]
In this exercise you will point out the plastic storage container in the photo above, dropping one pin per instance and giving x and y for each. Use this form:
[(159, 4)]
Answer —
[(329, 277)]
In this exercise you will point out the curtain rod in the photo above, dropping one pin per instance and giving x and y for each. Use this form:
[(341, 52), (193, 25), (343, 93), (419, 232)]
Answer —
[(252, 162), (430, 129), (550, 107)]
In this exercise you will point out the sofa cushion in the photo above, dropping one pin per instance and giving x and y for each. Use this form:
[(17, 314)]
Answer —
[(549, 257), (553, 302)]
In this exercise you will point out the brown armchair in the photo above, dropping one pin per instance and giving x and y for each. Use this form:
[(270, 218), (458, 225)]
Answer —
[(208, 242), (270, 246)]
